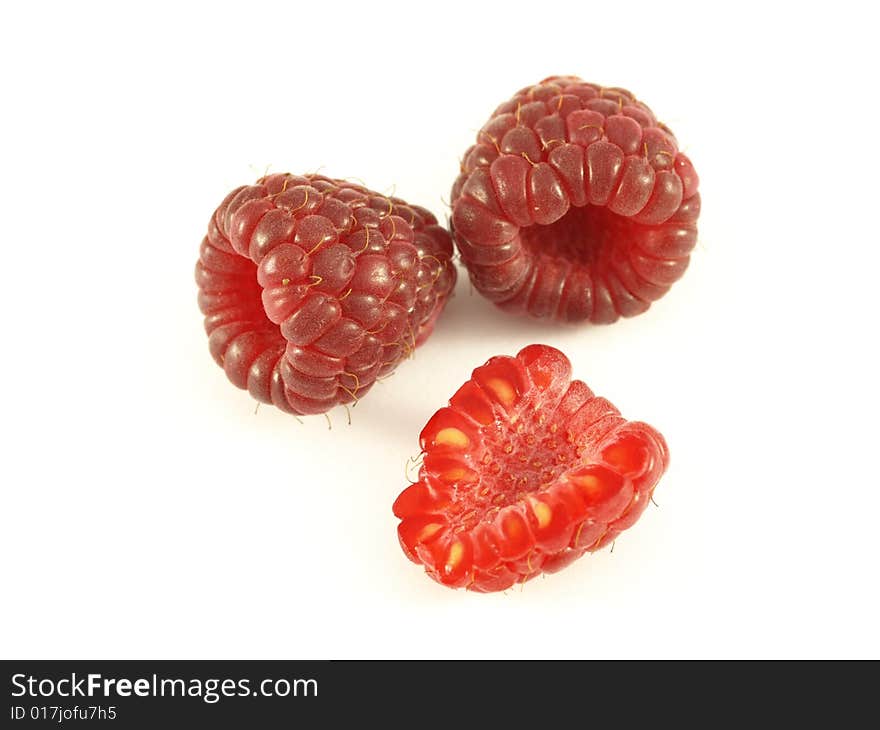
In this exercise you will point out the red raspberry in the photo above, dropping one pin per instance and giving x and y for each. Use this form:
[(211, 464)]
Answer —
[(575, 203), (524, 472), (312, 288)]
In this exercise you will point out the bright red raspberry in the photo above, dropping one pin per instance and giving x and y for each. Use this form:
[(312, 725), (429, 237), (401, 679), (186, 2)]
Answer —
[(524, 472), (575, 203), (312, 288)]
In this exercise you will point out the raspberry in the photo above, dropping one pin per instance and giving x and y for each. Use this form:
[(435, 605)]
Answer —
[(575, 203), (312, 288), (524, 472)]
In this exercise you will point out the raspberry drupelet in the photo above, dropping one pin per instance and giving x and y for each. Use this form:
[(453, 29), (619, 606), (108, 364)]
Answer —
[(575, 203), (312, 288), (525, 471)]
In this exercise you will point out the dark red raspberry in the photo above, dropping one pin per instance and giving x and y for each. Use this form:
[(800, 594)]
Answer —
[(575, 203), (312, 288), (524, 472)]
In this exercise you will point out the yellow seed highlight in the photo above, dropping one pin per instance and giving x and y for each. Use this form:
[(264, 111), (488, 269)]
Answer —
[(543, 513), (455, 554), (587, 482), (513, 527), (452, 437), (456, 473), (504, 390), (428, 531)]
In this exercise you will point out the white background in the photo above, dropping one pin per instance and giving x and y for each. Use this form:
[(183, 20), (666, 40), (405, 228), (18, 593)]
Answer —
[(147, 511)]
